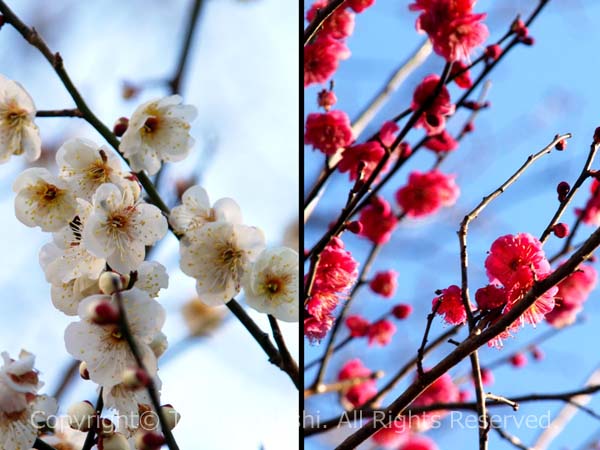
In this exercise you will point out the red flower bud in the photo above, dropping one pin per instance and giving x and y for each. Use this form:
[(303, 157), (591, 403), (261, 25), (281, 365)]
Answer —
[(560, 230), (120, 126), (561, 145), (493, 51), (354, 227), (402, 311)]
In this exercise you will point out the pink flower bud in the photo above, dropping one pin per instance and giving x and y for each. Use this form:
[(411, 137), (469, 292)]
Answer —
[(357, 325), (120, 126), (385, 283), (537, 353), (402, 311), (487, 377), (354, 227), (326, 99), (103, 312), (518, 360), (561, 145), (493, 51), (560, 230), (149, 440)]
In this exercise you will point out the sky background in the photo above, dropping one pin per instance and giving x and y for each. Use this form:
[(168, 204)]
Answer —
[(242, 74), (536, 93)]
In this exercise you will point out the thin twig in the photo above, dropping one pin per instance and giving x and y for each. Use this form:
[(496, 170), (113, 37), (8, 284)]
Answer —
[(291, 367), (421, 351), (73, 112), (515, 441), (343, 384), (150, 387), (90, 438)]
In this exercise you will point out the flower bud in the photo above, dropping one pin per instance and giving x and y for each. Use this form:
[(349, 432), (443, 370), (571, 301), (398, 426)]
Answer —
[(469, 127), (560, 230), (149, 440), (537, 353), (159, 344), (103, 312), (83, 371), (384, 283), (561, 145), (597, 136), (402, 311), (563, 189), (107, 428), (354, 227), (120, 126), (326, 99), (493, 51), (116, 441), (110, 282), (135, 378), (518, 360), (170, 415), (528, 40), (81, 415)]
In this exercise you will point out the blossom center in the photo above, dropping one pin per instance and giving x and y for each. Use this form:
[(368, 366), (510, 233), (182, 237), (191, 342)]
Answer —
[(118, 221), (47, 193), (98, 171), (151, 124)]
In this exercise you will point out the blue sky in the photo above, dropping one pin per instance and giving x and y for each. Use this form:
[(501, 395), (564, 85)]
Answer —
[(536, 93), (241, 77)]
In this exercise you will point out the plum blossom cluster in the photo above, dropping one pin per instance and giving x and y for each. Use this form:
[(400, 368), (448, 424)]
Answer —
[(514, 264), (96, 265), (224, 255), (23, 410), (323, 54), (452, 26)]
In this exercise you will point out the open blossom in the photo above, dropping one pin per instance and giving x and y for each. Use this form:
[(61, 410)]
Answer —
[(462, 77), (357, 325), (103, 347), (339, 25), (441, 143), (573, 291), (426, 193), (451, 305), (491, 297), (158, 131), (65, 258), (20, 405), (512, 252), (86, 166), (381, 332), (360, 5), (358, 394), (517, 262), (378, 221), (67, 296), (120, 226), (328, 131), (418, 442), (393, 434), (433, 118), (443, 390), (271, 285), (385, 283), (196, 211), (152, 277), (218, 255), (336, 273), (454, 30), (43, 199), (367, 155), (321, 59), (18, 133)]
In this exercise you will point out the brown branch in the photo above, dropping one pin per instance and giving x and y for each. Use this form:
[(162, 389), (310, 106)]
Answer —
[(320, 17), (288, 362), (177, 78), (90, 438), (515, 441), (73, 112), (150, 386)]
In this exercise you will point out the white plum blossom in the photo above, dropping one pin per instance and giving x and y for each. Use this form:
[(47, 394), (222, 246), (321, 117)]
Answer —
[(65, 258), (196, 211), (20, 406), (103, 347), (67, 296), (18, 132), (271, 285), (86, 166), (217, 255), (158, 131), (63, 436), (152, 277), (120, 226), (43, 199)]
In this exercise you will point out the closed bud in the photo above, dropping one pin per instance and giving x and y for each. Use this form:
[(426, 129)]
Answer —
[(110, 282), (116, 441), (560, 230), (326, 99), (597, 136), (171, 416), (354, 227), (83, 371), (120, 126), (469, 127), (402, 311), (81, 415), (528, 40), (561, 145), (562, 189), (493, 51), (149, 440), (135, 378), (103, 312)]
